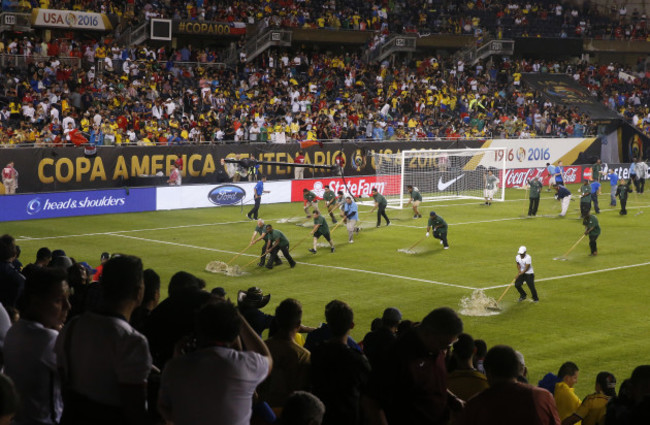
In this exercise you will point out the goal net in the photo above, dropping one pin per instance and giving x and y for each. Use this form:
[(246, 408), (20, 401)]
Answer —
[(441, 174)]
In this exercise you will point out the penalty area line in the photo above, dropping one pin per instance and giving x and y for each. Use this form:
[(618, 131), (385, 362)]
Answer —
[(566, 276), (395, 276)]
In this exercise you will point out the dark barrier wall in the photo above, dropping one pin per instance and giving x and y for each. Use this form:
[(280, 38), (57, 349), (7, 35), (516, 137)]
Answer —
[(59, 169), (533, 47)]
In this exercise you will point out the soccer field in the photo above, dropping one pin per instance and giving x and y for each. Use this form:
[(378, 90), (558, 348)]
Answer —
[(592, 310)]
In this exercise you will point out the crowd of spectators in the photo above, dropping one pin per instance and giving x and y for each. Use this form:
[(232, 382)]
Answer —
[(78, 348), (497, 18), (108, 93), (146, 96)]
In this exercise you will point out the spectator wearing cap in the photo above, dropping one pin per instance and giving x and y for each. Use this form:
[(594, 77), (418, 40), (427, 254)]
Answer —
[(250, 304), (376, 342), (188, 394), (60, 259), (339, 374), (29, 347), (103, 259), (103, 360), (292, 362), (464, 380), (13, 282), (594, 406), (508, 402), (410, 385), (219, 293)]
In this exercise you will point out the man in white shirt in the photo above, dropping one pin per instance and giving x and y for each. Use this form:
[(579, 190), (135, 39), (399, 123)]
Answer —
[(254, 132), (68, 120), (28, 112), (103, 359), (29, 347), (188, 394), (525, 274)]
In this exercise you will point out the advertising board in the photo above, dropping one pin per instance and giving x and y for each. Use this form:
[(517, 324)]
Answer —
[(219, 195), (71, 204)]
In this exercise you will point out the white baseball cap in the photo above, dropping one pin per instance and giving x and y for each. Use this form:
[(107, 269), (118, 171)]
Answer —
[(522, 250)]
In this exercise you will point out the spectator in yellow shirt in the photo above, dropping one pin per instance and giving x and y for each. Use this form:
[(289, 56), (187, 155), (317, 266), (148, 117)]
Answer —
[(593, 408), (100, 52), (465, 381), (565, 398)]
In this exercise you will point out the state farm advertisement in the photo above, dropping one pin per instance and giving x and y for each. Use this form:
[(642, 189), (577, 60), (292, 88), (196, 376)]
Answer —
[(359, 187), (518, 177)]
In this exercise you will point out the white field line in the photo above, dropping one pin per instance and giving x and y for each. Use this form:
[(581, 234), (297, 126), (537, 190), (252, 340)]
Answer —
[(566, 276), (28, 238), (395, 276), (513, 218)]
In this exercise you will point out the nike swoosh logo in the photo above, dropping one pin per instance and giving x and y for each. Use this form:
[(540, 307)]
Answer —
[(442, 186)]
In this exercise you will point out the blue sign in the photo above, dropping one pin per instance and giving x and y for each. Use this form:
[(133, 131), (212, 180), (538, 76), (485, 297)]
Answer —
[(226, 194), (71, 204)]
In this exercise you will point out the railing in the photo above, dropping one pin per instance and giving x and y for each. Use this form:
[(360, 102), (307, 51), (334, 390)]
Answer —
[(5, 145), (22, 61), (473, 54), (397, 43), (99, 64), (496, 47), (271, 37), (394, 43), (136, 33)]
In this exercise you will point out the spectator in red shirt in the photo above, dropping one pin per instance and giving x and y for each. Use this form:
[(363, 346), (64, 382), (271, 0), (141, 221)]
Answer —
[(299, 172), (103, 258)]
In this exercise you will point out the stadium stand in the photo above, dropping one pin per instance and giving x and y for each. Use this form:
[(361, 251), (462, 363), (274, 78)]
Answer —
[(143, 95)]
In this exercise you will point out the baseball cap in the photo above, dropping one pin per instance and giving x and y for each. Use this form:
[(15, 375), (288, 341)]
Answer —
[(58, 253), (87, 267), (105, 256), (432, 213), (522, 250), (219, 291)]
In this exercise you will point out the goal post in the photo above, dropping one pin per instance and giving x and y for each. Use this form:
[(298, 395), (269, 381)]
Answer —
[(440, 174)]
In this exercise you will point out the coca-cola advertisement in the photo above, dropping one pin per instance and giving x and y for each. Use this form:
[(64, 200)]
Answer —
[(572, 174), (518, 177), (359, 187)]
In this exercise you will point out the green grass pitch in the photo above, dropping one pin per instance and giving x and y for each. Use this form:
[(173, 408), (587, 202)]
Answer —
[(593, 310)]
